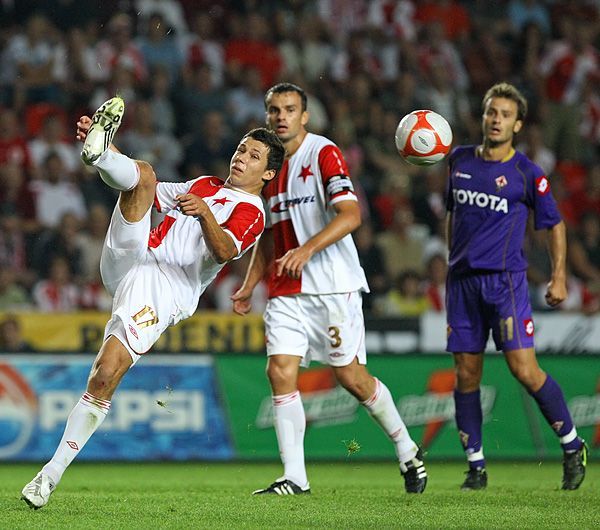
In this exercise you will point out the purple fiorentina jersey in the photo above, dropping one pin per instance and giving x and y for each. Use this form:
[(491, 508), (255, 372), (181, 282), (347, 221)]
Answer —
[(490, 203)]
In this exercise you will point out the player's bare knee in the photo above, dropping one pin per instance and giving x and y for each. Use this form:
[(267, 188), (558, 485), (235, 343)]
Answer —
[(281, 374), (147, 175), (531, 377), (104, 378), (467, 378)]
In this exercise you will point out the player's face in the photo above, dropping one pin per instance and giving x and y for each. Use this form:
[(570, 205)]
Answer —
[(248, 166), (285, 115), (500, 121)]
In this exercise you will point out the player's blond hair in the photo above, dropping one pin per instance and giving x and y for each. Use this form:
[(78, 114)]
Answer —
[(507, 91)]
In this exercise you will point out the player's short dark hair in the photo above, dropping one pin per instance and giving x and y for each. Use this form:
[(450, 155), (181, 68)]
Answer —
[(271, 140), (508, 91), (280, 88)]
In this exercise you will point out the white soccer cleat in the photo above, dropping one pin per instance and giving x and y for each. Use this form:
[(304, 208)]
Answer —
[(105, 122), (37, 492)]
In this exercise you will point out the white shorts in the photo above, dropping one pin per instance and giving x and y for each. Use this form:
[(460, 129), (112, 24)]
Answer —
[(327, 328), (143, 304), (125, 245)]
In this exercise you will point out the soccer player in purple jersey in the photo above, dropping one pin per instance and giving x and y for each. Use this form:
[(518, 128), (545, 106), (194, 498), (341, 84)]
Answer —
[(491, 190)]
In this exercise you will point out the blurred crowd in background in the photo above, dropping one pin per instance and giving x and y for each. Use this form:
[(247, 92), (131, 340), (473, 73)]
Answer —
[(193, 74)]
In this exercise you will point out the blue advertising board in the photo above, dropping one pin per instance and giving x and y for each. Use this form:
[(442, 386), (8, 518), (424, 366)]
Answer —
[(166, 408)]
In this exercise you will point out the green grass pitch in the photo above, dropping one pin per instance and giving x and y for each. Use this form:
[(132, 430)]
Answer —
[(346, 495)]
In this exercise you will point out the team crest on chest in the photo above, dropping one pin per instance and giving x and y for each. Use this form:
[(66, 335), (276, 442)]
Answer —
[(305, 173), (500, 182)]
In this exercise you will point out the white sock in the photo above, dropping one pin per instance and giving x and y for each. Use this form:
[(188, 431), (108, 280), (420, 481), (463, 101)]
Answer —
[(85, 418), (118, 171), (290, 424), (383, 410)]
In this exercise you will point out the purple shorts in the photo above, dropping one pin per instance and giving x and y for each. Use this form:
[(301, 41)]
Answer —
[(480, 302)]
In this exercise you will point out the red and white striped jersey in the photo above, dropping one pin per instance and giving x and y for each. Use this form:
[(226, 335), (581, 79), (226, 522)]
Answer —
[(299, 205), (178, 245)]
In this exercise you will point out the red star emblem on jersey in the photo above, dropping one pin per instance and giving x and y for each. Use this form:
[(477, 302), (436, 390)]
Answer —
[(221, 201), (305, 173)]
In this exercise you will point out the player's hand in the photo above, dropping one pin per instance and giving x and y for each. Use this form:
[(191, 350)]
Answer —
[(190, 204), (83, 126), (241, 301), (556, 292), (292, 262)]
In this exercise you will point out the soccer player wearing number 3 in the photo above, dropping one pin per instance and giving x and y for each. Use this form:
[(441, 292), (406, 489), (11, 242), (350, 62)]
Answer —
[(491, 190), (157, 275), (314, 310)]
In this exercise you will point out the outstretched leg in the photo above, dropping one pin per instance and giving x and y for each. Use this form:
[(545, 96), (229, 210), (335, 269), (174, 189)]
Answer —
[(134, 179), (375, 396), (110, 366)]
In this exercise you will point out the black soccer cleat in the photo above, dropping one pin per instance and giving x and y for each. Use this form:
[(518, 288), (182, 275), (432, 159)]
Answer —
[(476, 479), (415, 476), (574, 465), (282, 487)]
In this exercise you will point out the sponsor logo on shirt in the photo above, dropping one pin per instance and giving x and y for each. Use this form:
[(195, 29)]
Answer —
[(462, 175), (481, 200), (542, 185), (284, 206)]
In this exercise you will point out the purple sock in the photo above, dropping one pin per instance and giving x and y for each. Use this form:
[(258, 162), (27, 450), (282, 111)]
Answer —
[(552, 404), (468, 420)]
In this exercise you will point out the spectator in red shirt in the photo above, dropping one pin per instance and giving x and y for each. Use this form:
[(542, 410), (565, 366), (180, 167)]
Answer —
[(453, 17), (251, 47)]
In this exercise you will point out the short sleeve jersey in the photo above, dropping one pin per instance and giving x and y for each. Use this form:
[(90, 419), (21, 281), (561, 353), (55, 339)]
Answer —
[(490, 202), (299, 205), (178, 245)]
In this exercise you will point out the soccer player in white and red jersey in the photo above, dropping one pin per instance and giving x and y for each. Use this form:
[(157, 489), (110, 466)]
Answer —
[(157, 275), (315, 284)]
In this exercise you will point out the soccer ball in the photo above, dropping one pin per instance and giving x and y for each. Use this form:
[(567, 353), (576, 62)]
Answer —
[(423, 137)]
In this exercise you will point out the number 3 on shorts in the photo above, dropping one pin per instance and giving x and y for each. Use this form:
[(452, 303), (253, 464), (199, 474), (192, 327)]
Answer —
[(334, 333)]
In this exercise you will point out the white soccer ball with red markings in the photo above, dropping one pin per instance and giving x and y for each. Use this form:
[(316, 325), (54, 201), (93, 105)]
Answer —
[(423, 137)]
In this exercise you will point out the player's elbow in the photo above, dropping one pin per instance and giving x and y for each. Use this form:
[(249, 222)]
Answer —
[(224, 255), (354, 221)]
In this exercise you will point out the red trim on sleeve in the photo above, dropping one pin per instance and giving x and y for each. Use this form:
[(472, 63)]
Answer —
[(246, 223), (206, 187), (332, 163)]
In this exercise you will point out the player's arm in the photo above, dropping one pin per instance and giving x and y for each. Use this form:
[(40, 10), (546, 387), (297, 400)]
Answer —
[(219, 242), (261, 256), (347, 220), (557, 248)]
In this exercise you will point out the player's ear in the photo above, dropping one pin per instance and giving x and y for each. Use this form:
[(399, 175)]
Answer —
[(305, 117), (517, 126), (268, 175)]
